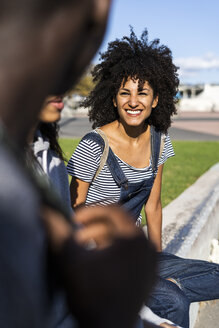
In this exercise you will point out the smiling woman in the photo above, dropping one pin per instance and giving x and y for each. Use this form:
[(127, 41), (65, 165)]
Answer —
[(132, 104)]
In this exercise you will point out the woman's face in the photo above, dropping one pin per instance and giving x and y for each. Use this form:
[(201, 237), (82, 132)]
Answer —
[(135, 105), (52, 108)]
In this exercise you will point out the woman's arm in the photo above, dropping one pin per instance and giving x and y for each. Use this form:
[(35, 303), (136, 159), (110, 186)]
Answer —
[(153, 211), (82, 167), (78, 191)]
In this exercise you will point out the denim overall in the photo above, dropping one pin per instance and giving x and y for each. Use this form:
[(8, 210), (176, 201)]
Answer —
[(132, 195), (197, 280)]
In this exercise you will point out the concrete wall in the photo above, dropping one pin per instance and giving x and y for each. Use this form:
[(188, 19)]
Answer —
[(191, 221)]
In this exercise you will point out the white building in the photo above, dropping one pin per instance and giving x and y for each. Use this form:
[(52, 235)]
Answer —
[(199, 98)]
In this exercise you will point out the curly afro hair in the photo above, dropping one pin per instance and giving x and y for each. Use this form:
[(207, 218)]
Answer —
[(139, 59)]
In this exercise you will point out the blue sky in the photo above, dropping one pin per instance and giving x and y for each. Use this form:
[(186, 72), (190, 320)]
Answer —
[(190, 28)]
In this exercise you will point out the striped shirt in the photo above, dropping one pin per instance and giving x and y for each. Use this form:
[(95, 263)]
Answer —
[(86, 160)]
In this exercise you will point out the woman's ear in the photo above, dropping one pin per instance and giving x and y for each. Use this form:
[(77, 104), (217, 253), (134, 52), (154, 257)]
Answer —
[(114, 102), (155, 102)]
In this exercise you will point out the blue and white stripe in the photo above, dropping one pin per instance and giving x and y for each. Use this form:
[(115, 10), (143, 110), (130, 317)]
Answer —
[(86, 159)]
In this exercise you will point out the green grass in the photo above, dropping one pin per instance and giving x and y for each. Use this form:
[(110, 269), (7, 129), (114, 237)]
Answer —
[(68, 146), (192, 159)]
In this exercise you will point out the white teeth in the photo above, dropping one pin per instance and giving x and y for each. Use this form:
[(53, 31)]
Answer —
[(133, 112)]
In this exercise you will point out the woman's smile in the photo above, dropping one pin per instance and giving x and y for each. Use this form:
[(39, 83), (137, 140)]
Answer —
[(133, 112)]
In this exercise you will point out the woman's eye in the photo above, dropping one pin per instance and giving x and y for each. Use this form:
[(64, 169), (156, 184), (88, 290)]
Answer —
[(124, 93), (142, 94)]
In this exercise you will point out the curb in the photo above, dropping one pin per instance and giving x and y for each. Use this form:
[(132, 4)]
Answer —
[(191, 221)]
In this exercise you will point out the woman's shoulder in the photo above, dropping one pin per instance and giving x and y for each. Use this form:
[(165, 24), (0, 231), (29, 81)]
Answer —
[(85, 158), (98, 136), (165, 137), (90, 146), (91, 140), (166, 148)]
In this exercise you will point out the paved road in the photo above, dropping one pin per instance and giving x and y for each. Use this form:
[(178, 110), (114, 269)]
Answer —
[(74, 127), (184, 127)]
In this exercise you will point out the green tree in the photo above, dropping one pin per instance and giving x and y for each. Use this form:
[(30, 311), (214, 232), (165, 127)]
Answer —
[(84, 86)]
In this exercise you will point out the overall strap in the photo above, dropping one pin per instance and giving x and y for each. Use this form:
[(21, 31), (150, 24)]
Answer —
[(103, 143), (155, 147), (111, 160), (116, 170), (104, 154), (96, 138)]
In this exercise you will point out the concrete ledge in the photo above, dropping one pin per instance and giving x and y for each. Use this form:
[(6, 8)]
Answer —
[(191, 221)]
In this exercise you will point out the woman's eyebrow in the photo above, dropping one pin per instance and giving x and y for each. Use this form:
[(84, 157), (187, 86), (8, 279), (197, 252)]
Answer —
[(144, 89)]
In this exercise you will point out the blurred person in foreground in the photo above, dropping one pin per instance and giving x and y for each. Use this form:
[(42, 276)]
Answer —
[(47, 45)]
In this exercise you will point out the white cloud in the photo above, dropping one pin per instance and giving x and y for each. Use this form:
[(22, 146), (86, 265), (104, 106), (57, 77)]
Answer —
[(190, 66), (186, 73)]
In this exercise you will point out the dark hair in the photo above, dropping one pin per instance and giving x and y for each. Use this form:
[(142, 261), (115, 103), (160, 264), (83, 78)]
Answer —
[(138, 59), (50, 131)]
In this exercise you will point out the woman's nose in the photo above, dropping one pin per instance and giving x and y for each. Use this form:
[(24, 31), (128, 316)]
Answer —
[(133, 101)]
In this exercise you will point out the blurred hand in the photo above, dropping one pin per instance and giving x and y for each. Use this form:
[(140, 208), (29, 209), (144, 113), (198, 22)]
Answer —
[(104, 287), (57, 227), (103, 224)]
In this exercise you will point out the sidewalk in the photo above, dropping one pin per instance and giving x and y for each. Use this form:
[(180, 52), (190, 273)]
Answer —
[(198, 121), (208, 316)]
